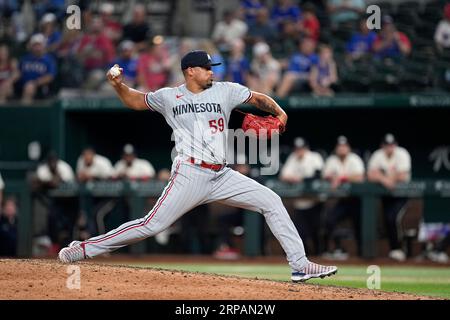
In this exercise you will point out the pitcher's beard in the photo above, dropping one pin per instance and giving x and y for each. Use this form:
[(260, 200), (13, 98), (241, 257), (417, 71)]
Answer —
[(209, 84)]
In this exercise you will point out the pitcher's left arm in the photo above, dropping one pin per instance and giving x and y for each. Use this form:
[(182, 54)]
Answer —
[(267, 104)]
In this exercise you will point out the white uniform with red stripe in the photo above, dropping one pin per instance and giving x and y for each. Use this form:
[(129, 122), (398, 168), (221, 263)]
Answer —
[(200, 123)]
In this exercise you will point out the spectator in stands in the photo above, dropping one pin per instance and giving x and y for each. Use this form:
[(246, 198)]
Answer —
[(14, 23), (361, 43), (301, 166), (9, 73), (389, 42), (297, 74), (309, 26), (49, 29), (92, 166), (285, 10), (389, 166), (442, 33), (262, 28), (8, 228), (70, 42), (250, 9), (345, 11), (96, 52), (61, 211), (220, 70), (58, 7), (264, 69), (86, 16), (154, 66), (323, 76), (112, 28), (128, 61), (286, 43), (227, 30), (71, 73), (342, 167), (138, 30), (8, 7), (132, 168), (238, 66), (38, 70)]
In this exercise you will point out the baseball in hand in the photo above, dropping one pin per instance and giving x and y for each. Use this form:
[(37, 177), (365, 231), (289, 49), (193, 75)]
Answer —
[(114, 71)]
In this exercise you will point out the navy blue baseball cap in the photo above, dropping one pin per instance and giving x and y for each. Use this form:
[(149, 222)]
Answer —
[(197, 58)]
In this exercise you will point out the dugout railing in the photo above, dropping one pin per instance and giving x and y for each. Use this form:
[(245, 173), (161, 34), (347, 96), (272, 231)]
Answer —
[(138, 192)]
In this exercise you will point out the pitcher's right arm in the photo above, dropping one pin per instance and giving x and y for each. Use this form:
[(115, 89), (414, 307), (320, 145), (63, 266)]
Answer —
[(132, 98)]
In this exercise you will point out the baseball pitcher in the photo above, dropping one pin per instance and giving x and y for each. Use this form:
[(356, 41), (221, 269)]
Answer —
[(198, 111)]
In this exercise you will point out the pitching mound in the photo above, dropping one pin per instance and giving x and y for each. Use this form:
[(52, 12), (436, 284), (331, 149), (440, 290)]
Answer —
[(45, 279)]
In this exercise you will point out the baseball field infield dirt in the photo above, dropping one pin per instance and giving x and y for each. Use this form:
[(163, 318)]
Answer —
[(47, 279)]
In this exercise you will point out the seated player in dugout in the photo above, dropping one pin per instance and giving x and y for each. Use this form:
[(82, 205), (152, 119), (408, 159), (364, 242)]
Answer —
[(344, 166), (62, 211), (131, 167), (200, 173), (92, 167), (303, 165), (389, 166)]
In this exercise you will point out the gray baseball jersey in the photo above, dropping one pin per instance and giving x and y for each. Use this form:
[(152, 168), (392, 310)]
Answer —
[(199, 122)]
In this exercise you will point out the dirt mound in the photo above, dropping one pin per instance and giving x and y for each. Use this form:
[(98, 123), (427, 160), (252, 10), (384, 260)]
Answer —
[(45, 279)]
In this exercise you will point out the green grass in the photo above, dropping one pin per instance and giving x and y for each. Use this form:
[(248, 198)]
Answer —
[(416, 280)]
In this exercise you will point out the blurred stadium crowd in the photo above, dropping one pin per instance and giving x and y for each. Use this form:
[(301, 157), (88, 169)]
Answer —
[(278, 47)]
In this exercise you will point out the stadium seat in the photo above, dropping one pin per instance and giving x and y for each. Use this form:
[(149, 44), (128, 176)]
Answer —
[(415, 76), (354, 83), (424, 54), (415, 6), (444, 55), (338, 45), (325, 36), (407, 29), (386, 7), (442, 72), (426, 30), (432, 12), (345, 31), (407, 17)]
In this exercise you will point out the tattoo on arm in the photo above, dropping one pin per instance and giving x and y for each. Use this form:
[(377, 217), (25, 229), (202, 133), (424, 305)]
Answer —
[(266, 104)]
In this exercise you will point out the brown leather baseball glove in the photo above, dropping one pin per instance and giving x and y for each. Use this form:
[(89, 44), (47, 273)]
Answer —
[(266, 126)]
